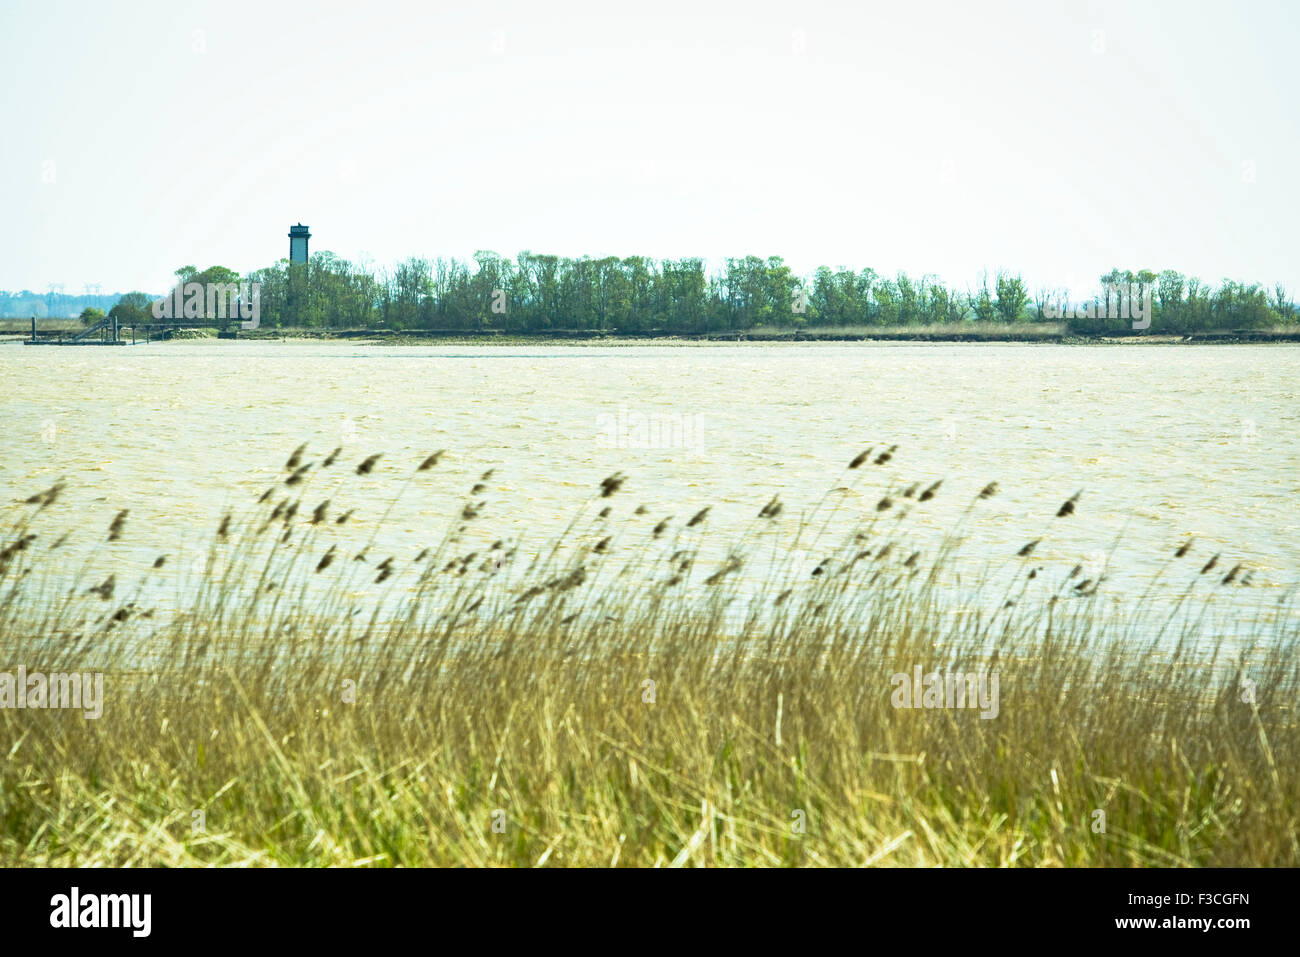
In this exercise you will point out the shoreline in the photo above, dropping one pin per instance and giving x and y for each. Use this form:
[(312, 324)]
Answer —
[(591, 337)]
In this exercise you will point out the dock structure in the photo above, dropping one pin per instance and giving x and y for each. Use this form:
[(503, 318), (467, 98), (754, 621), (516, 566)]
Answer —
[(110, 332), (168, 315), (105, 332)]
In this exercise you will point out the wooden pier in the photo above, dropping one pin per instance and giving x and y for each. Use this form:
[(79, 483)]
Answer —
[(109, 332), (103, 333)]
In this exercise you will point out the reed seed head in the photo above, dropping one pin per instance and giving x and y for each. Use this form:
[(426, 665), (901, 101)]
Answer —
[(732, 563), (1067, 507), (105, 588), (46, 498)]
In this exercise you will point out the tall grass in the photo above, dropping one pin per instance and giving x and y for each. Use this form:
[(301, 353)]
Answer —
[(621, 698)]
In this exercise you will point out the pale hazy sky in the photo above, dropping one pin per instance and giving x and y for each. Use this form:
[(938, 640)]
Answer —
[(1057, 139)]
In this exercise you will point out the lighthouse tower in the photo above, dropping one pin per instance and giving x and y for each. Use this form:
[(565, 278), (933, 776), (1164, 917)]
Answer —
[(298, 236)]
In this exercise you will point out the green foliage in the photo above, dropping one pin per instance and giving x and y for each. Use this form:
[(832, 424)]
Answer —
[(982, 305), (132, 309), (536, 293), (1182, 305), (1012, 297)]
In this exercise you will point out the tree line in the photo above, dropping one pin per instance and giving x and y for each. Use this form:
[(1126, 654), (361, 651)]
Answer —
[(535, 293)]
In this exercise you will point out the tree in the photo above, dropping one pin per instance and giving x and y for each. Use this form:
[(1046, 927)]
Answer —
[(981, 303), (1282, 304), (213, 274), (1169, 293), (132, 309), (90, 315), (782, 290), (1012, 297)]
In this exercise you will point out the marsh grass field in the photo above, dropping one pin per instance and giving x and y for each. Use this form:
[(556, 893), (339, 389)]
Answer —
[(617, 699)]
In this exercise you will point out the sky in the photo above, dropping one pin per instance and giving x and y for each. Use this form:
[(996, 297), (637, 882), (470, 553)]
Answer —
[(1056, 140)]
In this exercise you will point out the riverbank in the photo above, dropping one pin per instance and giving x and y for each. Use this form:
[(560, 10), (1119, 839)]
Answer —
[(13, 330), (1045, 333)]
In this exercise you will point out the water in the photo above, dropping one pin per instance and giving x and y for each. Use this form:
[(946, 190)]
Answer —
[(1165, 442)]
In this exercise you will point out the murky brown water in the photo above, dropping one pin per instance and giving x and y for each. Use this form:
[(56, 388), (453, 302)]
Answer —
[(1165, 442)]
